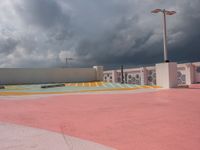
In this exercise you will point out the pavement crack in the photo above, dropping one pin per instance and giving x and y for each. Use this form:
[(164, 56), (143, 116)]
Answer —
[(68, 142)]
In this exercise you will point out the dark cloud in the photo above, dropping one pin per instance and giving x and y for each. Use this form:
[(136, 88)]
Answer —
[(94, 32), (44, 13), (7, 45)]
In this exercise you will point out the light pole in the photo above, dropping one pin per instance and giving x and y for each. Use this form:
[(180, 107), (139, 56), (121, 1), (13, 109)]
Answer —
[(164, 12), (68, 59)]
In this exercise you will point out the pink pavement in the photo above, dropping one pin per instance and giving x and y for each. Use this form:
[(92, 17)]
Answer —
[(162, 120)]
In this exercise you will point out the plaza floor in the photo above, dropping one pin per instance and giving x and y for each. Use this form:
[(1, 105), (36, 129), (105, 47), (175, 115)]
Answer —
[(154, 120)]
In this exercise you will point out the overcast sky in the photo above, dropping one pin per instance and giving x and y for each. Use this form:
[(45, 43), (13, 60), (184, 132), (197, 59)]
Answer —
[(42, 33)]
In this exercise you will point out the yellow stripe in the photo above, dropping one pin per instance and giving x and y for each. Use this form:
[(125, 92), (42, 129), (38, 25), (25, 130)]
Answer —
[(39, 93)]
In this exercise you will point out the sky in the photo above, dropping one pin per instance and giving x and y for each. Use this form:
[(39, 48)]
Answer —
[(43, 33)]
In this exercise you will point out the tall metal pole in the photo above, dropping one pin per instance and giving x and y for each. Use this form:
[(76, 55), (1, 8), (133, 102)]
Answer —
[(165, 36), (165, 12)]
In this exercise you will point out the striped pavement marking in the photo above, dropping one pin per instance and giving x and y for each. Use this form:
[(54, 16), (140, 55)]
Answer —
[(72, 87), (119, 85), (104, 85), (128, 85), (111, 84)]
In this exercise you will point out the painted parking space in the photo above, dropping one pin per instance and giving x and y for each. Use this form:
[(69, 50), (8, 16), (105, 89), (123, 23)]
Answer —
[(69, 88)]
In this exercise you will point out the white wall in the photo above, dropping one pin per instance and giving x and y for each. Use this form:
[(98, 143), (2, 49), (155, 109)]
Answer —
[(47, 75)]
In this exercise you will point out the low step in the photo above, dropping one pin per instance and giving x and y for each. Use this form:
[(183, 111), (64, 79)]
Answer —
[(2, 87), (52, 86)]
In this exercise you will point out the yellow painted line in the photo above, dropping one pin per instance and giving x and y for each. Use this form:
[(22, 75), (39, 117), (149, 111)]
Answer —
[(140, 87), (27, 93), (40, 93), (147, 86), (155, 86)]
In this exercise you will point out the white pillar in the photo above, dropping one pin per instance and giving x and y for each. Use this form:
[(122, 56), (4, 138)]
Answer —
[(144, 76), (166, 75), (114, 76), (99, 73), (190, 74)]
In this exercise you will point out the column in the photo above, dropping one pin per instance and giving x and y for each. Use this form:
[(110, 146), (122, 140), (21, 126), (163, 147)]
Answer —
[(166, 75), (190, 74), (99, 73)]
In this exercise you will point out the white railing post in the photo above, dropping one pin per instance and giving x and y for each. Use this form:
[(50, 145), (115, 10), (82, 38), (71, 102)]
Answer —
[(114, 76)]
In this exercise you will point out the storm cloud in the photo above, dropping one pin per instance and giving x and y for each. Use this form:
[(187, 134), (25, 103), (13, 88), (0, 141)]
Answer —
[(42, 33)]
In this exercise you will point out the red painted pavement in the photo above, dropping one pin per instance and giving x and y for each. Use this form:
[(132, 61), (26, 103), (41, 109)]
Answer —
[(164, 120)]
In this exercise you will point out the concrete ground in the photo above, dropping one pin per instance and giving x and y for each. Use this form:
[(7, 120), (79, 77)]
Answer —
[(155, 120), (16, 137)]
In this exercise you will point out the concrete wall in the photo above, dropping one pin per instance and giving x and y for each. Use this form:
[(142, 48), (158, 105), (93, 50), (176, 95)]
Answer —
[(48, 75)]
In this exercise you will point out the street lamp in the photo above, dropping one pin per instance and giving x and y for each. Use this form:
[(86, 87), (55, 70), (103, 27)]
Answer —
[(68, 59), (164, 12)]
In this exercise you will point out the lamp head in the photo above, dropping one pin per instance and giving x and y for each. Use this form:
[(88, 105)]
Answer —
[(156, 11), (170, 12)]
